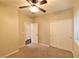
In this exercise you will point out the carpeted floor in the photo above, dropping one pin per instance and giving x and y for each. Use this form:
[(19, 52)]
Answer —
[(41, 52)]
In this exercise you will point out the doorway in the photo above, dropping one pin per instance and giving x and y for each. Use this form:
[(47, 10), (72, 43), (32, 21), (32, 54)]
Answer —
[(31, 33)]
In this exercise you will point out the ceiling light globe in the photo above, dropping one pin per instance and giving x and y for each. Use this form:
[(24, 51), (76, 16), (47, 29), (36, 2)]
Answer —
[(40, 0), (33, 9)]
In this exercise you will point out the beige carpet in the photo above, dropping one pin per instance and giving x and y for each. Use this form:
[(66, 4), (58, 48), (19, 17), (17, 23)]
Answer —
[(41, 52)]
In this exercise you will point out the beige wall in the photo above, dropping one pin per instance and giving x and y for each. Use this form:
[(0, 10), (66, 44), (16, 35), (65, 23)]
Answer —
[(11, 29), (9, 34), (76, 28), (44, 27), (23, 19)]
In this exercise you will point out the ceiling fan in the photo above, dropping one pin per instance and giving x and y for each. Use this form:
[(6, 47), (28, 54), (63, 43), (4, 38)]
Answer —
[(33, 7)]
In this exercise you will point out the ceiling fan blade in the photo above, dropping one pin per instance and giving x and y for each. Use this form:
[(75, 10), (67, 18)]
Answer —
[(29, 1), (41, 9), (24, 6), (34, 1), (43, 2)]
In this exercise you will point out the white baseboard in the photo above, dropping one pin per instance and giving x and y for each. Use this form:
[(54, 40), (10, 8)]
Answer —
[(10, 53), (44, 44)]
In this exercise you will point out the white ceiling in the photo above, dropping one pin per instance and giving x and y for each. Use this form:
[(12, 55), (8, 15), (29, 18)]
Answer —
[(51, 6)]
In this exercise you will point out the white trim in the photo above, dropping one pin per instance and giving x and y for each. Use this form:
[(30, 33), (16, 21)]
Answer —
[(44, 44), (10, 53)]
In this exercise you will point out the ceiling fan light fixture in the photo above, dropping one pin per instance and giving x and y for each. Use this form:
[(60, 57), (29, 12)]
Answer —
[(40, 0), (33, 9)]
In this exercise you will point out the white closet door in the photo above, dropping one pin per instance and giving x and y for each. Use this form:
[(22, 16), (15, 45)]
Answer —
[(27, 31), (34, 33), (61, 34)]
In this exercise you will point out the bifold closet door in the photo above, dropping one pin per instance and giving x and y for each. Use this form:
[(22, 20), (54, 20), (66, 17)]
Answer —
[(61, 34)]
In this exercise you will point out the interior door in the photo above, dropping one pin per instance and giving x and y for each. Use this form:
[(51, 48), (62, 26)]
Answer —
[(61, 34), (27, 33), (34, 33), (31, 32)]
